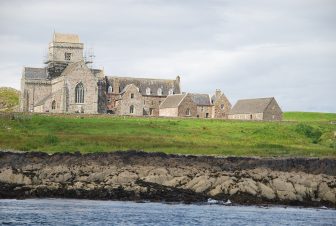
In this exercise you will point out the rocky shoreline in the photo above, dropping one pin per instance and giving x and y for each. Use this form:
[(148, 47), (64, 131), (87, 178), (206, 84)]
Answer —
[(141, 176)]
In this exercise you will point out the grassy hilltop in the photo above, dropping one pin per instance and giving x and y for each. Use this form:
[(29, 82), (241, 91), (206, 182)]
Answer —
[(304, 134), (9, 99)]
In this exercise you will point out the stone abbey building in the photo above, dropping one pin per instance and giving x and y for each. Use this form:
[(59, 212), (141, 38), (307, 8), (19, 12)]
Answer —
[(68, 85)]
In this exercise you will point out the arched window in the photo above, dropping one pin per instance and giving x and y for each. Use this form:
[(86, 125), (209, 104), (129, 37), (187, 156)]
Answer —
[(148, 91), (79, 93), (110, 90), (131, 109), (132, 95), (170, 92), (188, 113), (53, 105), (159, 91)]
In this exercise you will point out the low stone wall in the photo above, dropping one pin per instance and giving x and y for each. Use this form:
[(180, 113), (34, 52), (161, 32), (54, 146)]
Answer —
[(136, 175)]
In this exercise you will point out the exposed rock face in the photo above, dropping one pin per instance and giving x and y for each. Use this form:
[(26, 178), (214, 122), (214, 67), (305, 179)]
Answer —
[(159, 177)]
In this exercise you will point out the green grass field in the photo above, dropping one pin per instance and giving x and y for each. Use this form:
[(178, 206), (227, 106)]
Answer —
[(310, 136)]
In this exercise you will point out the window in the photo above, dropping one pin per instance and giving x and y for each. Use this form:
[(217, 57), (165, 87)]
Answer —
[(131, 109), (159, 91), (170, 92), (53, 105), (132, 95), (148, 91), (67, 56), (79, 93), (188, 113), (222, 106), (110, 90)]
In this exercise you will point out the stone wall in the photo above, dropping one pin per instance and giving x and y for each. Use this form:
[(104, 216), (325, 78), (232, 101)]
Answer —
[(222, 107), (33, 93), (187, 103), (254, 116), (151, 104), (127, 100), (273, 112), (81, 73), (204, 111), (57, 51), (169, 112)]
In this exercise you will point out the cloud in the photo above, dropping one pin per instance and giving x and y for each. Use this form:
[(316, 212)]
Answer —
[(254, 48)]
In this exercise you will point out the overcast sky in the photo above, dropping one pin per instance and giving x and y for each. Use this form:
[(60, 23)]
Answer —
[(248, 49)]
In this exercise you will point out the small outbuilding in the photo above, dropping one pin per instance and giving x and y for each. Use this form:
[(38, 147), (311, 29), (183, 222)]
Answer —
[(256, 109), (203, 105), (178, 105)]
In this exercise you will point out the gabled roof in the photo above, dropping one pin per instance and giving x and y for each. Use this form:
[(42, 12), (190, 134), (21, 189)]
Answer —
[(69, 38), (173, 101), (144, 83), (200, 99), (127, 87), (35, 73), (249, 106)]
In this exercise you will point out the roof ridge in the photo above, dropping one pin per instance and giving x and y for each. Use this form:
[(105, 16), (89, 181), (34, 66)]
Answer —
[(137, 78), (182, 98)]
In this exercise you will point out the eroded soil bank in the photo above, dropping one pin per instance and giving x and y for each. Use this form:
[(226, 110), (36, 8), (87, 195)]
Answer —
[(140, 176)]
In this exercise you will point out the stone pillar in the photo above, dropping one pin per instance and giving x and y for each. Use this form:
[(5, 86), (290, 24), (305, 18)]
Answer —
[(64, 98)]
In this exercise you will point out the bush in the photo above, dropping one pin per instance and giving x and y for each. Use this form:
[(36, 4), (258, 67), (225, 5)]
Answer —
[(311, 132)]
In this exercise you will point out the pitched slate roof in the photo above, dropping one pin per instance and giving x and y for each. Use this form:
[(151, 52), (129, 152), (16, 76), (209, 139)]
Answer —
[(144, 83), (35, 73), (200, 99), (70, 38), (173, 101), (249, 106)]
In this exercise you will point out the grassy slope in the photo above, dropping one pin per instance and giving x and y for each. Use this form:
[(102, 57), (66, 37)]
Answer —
[(187, 136), (9, 98), (309, 116)]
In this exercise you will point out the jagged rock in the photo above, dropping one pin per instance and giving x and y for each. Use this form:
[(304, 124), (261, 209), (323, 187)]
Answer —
[(266, 191), (159, 177), (326, 193), (8, 176)]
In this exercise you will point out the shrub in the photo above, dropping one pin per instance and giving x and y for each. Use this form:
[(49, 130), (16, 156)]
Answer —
[(311, 132)]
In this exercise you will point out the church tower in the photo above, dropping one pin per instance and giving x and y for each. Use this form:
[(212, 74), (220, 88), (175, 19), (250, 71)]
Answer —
[(63, 49)]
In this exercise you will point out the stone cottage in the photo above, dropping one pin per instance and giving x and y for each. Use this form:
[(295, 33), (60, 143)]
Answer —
[(196, 105), (178, 105), (256, 109)]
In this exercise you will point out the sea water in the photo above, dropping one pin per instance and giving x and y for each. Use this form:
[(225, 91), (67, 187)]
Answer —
[(88, 212)]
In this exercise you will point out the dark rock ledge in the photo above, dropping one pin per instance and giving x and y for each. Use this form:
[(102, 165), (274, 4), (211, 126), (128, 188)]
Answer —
[(140, 176)]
